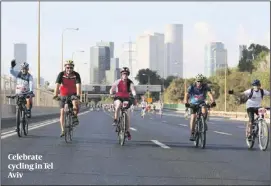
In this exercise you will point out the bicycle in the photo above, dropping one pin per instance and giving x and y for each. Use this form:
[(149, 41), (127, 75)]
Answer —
[(21, 112), (201, 126), (259, 128), (121, 127), (143, 112), (68, 115)]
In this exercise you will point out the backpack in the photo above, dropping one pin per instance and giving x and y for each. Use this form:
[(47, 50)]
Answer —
[(23, 77), (251, 93)]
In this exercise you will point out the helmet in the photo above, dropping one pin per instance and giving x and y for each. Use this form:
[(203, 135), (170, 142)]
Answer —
[(69, 62), (25, 65), (199, 77), (256, 82), (125, 69)]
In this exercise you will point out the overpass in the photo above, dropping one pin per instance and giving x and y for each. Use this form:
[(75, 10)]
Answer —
[(95, 91)]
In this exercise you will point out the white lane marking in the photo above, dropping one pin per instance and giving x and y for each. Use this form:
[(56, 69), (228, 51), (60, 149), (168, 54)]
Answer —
[(223, 133), (150, 118), (164, 121), (133, 129), (183, 125), (12, 132), (160, 144)]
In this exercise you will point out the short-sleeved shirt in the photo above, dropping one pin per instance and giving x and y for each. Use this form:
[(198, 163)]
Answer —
[(256, 98), (68, 83), (198, 95)]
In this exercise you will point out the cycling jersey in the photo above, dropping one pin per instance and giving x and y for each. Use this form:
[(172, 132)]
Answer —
[(198, 95), (123, 89), (143, 104), (256, 98), (68, 83), (24, 83)]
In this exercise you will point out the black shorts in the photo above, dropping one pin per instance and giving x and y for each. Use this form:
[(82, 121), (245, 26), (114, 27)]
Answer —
[(194, 109), (250, 112), (62, 101)]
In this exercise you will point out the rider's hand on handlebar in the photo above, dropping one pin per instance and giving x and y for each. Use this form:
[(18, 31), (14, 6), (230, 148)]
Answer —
[(13, 63), (187, 105), (213, 104)]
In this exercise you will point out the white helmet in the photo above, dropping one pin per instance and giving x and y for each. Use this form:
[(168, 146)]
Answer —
[(25, 65), (125, 69)]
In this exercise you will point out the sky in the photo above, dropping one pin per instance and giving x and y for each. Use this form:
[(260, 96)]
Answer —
[(232, 23)]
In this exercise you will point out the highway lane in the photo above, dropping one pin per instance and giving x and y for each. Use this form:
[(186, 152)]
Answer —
[(94, 157)]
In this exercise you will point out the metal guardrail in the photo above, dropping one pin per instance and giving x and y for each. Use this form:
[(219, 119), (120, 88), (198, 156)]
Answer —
[(8, 85), (238, 115)]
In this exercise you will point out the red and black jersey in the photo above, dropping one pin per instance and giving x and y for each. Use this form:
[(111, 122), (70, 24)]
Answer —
[(68, 83)]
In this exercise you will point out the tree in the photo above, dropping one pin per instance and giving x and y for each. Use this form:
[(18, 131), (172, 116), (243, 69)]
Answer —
[(175, 92), (144, 75), (168, 80)]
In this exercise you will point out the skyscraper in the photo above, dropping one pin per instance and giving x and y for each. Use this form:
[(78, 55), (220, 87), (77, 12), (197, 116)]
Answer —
[(99, 63), (174, 50), (114, 73), (215, 58), (108, 44), (150, 52), (20, 54)]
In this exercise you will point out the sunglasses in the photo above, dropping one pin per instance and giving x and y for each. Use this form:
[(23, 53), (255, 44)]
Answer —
[(199, 81), (124, 74), (69, 68)]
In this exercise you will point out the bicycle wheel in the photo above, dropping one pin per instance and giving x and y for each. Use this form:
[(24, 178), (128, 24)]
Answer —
[(25, 124), (66, 126), (196, 142), (18, 122), (263, 132), (70, 128), (250, 143), (123, 129), (202, 133)]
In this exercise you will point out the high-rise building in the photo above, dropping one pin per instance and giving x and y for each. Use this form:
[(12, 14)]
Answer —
[(108, 44), (114, 73), (174, 50), (20, 54), (241, 48), (150, 53), (99, 63), (215, 58)]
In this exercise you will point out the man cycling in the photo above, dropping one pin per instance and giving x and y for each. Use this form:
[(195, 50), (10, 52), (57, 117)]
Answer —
[(197, 93), (253, 99), (123, 87), (68, 83), (24, 83)]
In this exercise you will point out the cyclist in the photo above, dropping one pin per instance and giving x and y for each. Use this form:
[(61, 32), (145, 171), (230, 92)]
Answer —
[(123, 87), (253, 103), (24, 83), (143, 106), (197, 93), (68, 83)]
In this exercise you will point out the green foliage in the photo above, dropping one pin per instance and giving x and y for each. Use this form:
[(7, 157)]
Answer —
[(106, 99), (146, 75), (255, 64)]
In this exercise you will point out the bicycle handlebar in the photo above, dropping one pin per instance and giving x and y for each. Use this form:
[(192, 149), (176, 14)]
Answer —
[(25, 94)]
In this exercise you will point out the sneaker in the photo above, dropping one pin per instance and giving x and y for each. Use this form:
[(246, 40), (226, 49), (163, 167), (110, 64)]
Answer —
[(129, 135), (114, 122), (62, 134), (28, 113), (192, 137)]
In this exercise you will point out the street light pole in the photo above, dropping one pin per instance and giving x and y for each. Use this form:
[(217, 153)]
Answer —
[(38, 69), (226, 64), (62, 45)]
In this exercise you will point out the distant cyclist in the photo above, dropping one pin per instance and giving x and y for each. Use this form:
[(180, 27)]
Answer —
[(143, 106)]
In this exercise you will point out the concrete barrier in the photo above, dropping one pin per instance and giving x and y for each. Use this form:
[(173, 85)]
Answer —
[(38, 114)]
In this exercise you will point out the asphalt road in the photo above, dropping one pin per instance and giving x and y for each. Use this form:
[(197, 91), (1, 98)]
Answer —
[(159, 153)]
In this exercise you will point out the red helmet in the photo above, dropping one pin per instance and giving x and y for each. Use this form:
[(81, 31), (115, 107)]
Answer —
[(125, 69)]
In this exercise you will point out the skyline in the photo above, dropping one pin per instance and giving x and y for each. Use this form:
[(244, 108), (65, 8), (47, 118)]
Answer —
[(202, 22)]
